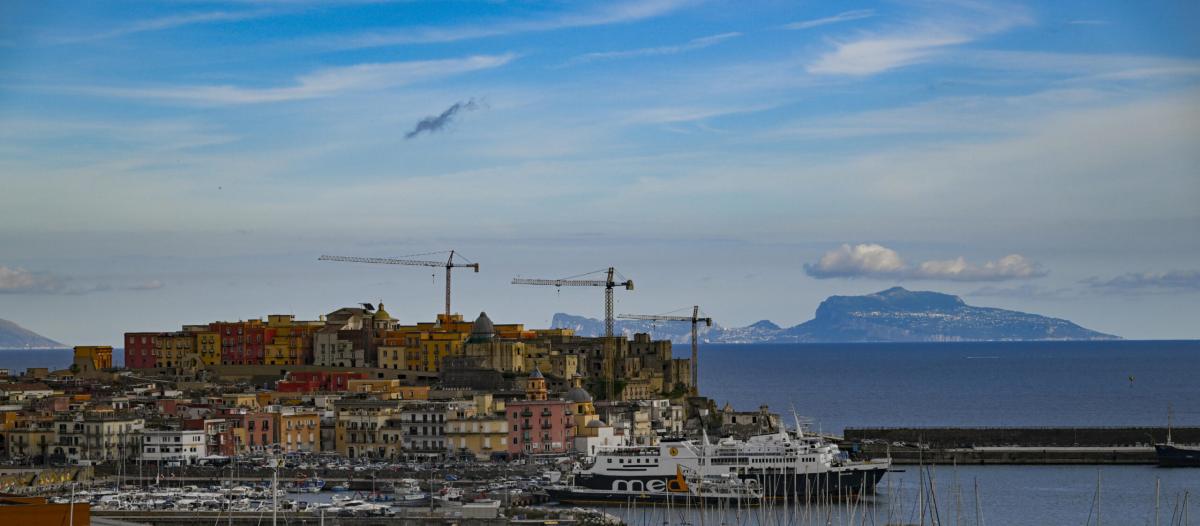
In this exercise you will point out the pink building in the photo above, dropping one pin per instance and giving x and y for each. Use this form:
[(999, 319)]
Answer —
[(539, 425)]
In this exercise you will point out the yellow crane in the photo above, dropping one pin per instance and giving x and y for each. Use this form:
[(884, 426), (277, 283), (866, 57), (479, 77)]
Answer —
[(695, 320), (449, 265)]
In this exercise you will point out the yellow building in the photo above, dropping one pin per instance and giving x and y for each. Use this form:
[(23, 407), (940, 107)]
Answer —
[(93, 357), (360, 429), (478, 430), (298, 429), (423, 346), (292, 344), (172, 349), (376, 388), (208, 345)]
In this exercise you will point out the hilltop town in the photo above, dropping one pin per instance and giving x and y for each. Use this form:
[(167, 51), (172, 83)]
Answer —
[(359, 384)]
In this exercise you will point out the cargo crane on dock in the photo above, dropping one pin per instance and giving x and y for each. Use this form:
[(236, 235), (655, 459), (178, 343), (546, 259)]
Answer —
[(695, 320), (608, 283), (449, 265)]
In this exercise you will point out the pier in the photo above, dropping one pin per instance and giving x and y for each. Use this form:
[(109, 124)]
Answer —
[(1015, 445)]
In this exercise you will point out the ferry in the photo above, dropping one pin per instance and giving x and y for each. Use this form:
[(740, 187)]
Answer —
[(784, 465)]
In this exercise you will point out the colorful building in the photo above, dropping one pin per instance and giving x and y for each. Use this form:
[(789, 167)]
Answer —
[(95, 357), (538, 425), (243, 342), (139, 350), (297, 429)]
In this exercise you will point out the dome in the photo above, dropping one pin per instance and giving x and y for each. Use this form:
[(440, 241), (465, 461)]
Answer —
[(578, 395), (537, 373), (381, 314), (597, 423), (482, 330)]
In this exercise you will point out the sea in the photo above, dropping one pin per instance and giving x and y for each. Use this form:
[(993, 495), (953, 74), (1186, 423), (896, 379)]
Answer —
[(835, 386)]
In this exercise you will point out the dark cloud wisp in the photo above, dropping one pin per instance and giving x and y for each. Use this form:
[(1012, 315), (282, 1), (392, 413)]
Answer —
[(435, 123), (1174, 281)]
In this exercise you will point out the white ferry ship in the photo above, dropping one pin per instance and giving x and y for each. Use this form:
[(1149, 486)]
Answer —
[(783, 465)]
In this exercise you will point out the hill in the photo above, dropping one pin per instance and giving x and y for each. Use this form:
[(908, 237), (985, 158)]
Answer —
[(13, 336), (892, 315)]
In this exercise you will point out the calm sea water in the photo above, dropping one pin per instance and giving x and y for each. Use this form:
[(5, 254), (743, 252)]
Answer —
[(962, 384)]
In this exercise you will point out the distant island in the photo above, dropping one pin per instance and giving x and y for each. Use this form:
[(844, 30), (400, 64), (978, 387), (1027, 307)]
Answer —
[(13, 336), (892, 315)]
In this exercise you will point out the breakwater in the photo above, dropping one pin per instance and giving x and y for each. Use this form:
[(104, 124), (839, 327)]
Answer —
[(1015, 445)]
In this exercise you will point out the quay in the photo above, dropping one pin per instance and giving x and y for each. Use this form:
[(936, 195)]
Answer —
[(174, 518), (1014, 445)]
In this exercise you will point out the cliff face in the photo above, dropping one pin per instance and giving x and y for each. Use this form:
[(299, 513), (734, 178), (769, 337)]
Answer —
[(13, 336), (892, 315)]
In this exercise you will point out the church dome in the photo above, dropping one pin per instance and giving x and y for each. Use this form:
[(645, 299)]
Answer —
[(482, 330), (537, 373), (578, 395), (597, 423), (381, 314)]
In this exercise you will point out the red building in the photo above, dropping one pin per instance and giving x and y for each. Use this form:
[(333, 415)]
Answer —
[(252, 430), (538, 425), (139, 350), (316, 381), (242, 342)]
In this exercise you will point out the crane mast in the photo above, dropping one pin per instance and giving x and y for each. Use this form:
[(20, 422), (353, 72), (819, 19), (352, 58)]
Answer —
[(695, 320), (449, 265), (609, 284)]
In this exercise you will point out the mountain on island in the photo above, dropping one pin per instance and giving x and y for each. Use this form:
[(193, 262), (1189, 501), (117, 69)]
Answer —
[(13, 336), (892, 315)]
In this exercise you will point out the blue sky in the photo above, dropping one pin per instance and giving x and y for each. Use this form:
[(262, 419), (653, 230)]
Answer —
[(183, 161)]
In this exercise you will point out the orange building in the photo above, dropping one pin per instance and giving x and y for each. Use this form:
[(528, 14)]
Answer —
[(93, 357)]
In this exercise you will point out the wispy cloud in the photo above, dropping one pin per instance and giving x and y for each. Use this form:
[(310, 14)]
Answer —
[(166, 22), (322, 83), (870, 260), (696, 43), (1089, 22), (1174, 281), (607, 13), (16, 280), (845, 16), (918, 41), (435, 123)]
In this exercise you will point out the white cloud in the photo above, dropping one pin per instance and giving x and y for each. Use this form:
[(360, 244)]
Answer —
[(696, 43), (20, 281), (1012, 266), (321, 83), (609, 13), (870, 260), (167, 22), (845, 16), (848, 261), (917, 42)]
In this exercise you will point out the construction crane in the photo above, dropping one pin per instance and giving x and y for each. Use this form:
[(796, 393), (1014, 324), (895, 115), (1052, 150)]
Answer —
[(695, 319), (449, 265), (608, 283)]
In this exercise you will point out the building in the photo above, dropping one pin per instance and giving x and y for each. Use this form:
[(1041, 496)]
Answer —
[(173, 445), (291, 340), (173, 349), (423, 426), (538, 425), (97, 436), (93, 357), (139, 350), (591, 433), (252, 430), (478, 430), (207, 344), (243, 342), (360, 428), (297, 429)]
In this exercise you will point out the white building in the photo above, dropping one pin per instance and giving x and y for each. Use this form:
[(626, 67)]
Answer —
[(183, 446)]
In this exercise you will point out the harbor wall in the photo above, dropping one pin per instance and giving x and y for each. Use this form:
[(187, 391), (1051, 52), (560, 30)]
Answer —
[(963, 437)]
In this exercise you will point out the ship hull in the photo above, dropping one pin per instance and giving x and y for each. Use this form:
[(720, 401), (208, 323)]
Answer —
[(1172, 456), (799, 487)]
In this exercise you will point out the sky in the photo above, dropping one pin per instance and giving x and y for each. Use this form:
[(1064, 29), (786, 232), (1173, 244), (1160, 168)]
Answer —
[(184, 161)]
